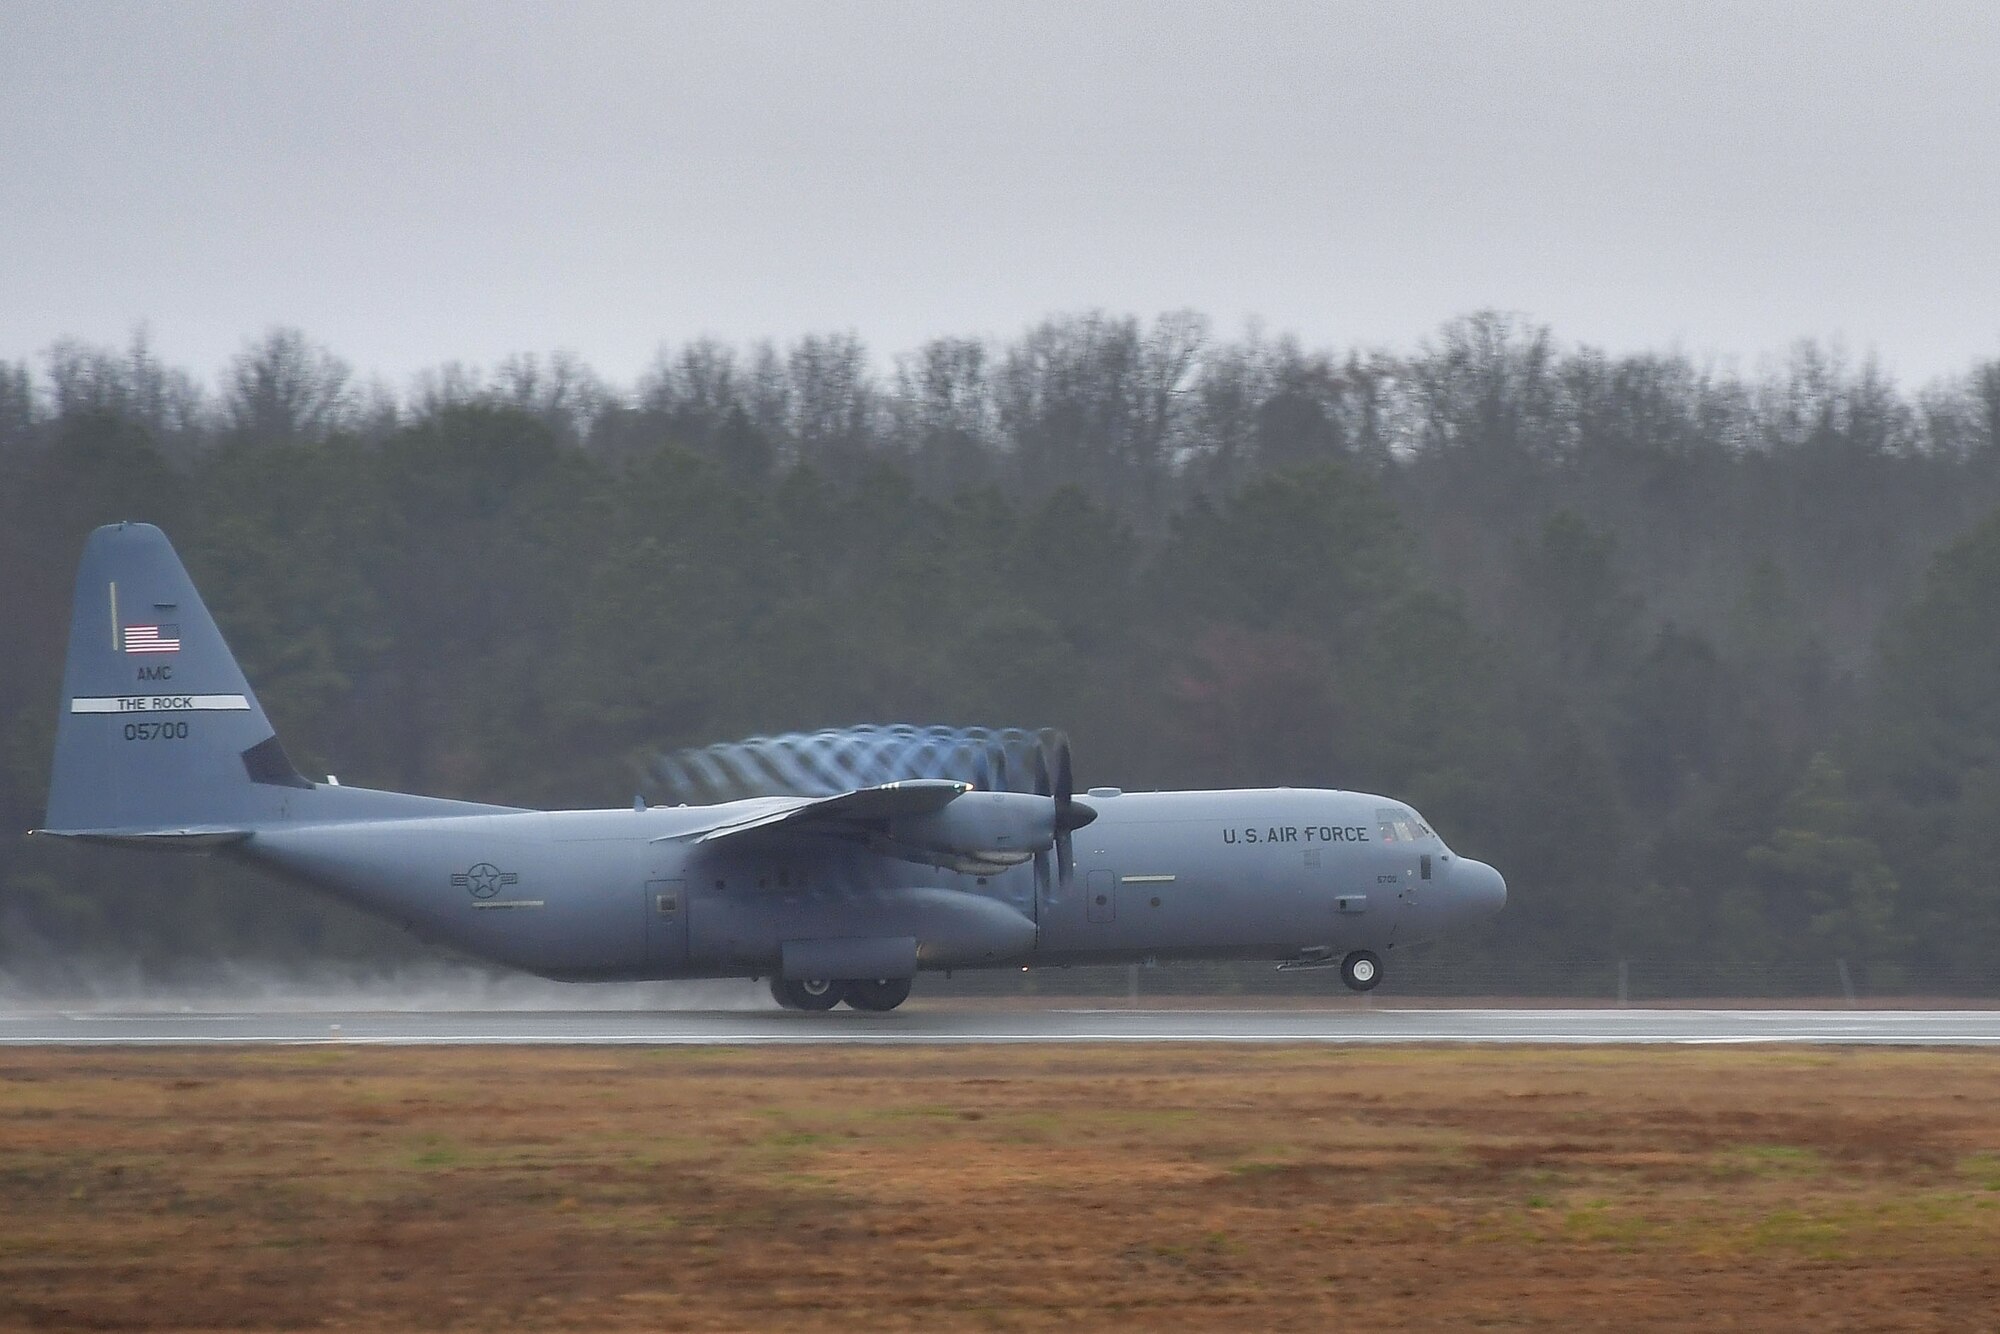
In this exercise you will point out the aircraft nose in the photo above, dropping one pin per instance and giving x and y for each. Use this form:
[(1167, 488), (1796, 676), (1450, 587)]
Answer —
[(1481, 890)]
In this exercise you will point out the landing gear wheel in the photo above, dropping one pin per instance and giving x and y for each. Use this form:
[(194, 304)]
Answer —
[(1361, 970), (813, 993), (884, 993), (781, 992)]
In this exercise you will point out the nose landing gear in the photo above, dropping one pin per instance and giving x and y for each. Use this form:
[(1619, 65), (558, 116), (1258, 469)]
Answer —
[(1361, 970)]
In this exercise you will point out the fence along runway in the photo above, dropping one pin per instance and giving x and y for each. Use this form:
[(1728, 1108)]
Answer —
[(945, 1027)]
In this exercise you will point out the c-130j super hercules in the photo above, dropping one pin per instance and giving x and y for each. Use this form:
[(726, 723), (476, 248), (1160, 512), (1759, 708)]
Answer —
[(835, 898)]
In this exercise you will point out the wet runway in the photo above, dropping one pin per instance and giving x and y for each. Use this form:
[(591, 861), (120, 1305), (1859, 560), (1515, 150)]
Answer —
[(921, 1026)]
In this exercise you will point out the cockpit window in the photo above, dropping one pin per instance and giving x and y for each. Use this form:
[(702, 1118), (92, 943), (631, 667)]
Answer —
[(1397, 825)]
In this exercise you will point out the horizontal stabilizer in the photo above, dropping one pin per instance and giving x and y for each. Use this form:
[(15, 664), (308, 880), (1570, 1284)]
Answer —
[(195, 839)]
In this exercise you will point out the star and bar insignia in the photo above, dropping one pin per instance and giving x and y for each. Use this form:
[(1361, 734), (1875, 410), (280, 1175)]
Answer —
[(484, 880)]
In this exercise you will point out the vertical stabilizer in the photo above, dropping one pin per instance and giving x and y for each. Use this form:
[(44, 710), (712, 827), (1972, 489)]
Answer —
[(159, 730)]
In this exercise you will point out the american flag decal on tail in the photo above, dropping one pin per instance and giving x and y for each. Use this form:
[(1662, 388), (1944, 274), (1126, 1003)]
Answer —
[(152, 639)]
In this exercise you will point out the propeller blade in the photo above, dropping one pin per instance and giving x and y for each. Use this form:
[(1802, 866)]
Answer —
[(1056, 780)]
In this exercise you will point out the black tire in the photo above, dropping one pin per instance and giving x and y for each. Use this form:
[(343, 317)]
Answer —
[(877, 994), (1362, 970), (781, 992), (817, 993)]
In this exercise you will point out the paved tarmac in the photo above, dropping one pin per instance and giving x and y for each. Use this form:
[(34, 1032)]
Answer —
[(922, 1026)]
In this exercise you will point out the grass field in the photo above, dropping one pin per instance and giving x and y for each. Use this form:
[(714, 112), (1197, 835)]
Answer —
[(1131, 1187)]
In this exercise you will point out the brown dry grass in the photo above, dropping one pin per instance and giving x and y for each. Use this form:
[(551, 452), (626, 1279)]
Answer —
[(1161, 1187)]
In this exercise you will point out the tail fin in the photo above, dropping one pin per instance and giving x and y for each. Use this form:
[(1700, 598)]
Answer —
[(160, 734)]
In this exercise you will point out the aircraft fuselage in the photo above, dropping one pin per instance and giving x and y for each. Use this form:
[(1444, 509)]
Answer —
[(1276, 873)]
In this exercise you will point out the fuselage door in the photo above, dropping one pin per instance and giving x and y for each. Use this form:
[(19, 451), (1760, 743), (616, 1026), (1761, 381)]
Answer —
[(666, 915), (1404, 867)]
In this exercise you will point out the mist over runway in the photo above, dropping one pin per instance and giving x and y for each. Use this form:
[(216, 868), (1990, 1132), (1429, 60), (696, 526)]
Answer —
[(961, 1027)]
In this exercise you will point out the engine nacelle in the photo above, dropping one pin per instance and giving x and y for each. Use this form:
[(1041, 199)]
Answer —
[(996, 828)]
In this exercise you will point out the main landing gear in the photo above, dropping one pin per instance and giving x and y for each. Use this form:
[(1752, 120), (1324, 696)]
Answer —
[(812, 994), (877, 993), (820, 993), (1361, 970)]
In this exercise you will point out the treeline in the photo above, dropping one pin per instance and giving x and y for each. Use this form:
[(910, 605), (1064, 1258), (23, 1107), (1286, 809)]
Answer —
[(1708, 663)]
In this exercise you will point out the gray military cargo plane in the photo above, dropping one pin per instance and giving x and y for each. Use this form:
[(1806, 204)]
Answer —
[(161, 744)]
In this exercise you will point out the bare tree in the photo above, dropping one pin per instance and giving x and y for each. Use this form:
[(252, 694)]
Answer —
[(833, 399), (1235, 381), (1489, 393), (18, 409), (282, 388), (693, 390), (133, 386), (1067, 396), (562, 392), (943, 415), (767, 398)]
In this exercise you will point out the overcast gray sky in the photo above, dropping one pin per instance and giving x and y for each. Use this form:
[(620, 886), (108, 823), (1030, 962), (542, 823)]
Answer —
[(412, 183)]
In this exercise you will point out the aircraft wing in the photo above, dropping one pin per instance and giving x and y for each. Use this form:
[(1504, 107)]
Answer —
[(860, 813)]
